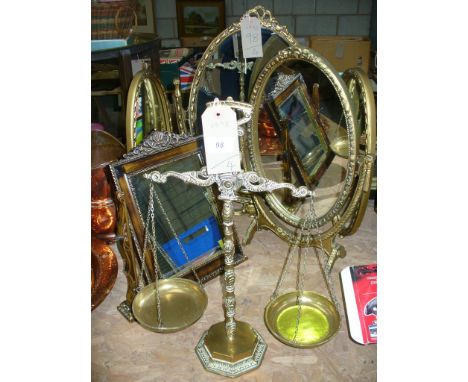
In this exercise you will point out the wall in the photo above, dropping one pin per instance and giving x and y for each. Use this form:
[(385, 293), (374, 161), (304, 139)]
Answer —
[(302, 17)]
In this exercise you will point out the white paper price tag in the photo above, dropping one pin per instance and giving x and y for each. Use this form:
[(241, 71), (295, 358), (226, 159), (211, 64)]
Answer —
[(251, 36), (221, 140)]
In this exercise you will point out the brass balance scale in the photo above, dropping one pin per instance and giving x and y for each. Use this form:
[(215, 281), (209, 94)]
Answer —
[(300, 318), (172, 304)]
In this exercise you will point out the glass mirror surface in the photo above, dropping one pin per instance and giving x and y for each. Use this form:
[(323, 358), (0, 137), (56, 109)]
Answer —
[(188, 210), (302, 138)]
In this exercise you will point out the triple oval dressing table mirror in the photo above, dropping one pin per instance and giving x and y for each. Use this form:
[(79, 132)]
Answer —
[(327, 143)]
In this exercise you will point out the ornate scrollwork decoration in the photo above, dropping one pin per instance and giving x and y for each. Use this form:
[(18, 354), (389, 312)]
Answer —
[(229, 183), (232, 65), (157, 141), (283, 81), (252, 182), (266, 18), (199, 178)]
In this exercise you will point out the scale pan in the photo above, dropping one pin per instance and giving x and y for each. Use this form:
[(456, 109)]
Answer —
[(182, 303), (340, 147), (319, 319)]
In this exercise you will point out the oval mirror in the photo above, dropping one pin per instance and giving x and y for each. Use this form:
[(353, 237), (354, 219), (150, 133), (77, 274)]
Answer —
[(147, 108), (222, 72), (313, 142)]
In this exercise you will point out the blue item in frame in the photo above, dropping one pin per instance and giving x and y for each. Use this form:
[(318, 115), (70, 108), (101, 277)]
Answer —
[(198, 240)]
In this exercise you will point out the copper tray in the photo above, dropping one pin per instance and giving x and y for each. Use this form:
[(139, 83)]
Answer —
[(182, 303), (319, 319), (103, 271), (105, 148)]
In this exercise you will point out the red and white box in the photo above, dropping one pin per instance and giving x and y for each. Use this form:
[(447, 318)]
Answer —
[(360, 294)]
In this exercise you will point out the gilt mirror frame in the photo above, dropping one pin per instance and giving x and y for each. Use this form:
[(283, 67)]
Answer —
[(271, 213), (156, 105), (267, 21), (362, 95)]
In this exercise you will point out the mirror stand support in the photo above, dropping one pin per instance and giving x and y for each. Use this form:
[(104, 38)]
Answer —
[(333, 250), (251, 230), (230, 347), (257, 223)]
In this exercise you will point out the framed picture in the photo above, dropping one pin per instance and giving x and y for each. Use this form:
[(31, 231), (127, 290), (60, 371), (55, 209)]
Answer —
[(200, 18), (185, 215), (290, 108), (146, 19)]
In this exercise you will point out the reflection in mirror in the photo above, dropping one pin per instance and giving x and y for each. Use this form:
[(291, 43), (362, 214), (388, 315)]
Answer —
[(298, 127), (189, 211), (311, 134), (222, 71), (303, 105)]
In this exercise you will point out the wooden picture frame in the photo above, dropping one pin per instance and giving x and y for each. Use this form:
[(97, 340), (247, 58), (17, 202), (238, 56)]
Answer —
[(166, 151), (290, 107), (200, 18), (146, 19)]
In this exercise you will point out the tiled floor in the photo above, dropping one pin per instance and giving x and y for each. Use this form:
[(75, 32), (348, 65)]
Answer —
[(125, 352)]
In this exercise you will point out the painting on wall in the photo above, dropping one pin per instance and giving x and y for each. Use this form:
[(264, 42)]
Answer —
[(146, 25), (200, 18)]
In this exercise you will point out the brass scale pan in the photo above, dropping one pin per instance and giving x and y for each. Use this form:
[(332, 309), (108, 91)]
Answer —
[(318, 324), (182, 303), (169, 305)]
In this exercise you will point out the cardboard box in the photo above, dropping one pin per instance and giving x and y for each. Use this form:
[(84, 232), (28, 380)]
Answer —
[(343, 52)]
